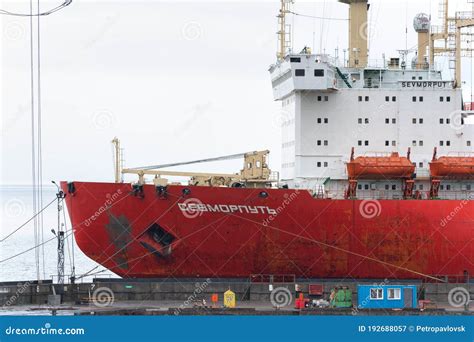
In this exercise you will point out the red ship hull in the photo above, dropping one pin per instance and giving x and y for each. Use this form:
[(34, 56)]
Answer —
[(235, 232)]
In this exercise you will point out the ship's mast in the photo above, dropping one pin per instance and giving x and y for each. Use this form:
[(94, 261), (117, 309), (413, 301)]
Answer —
[(117, 161), (284, 30), (452, 35)]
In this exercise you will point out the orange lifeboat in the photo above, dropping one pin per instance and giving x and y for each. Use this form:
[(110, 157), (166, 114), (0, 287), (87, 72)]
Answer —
[(452, 167), (380, 167)]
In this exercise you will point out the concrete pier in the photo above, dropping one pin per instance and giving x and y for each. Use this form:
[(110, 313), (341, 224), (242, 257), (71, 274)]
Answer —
[(185, 297)]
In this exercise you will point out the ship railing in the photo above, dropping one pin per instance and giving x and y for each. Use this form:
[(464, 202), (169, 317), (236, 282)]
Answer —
[(450, 279), (398, 195), (464, 15), (272, 278)]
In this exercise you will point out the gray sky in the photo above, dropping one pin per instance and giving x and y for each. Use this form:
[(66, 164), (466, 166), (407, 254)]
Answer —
[(173, 80)]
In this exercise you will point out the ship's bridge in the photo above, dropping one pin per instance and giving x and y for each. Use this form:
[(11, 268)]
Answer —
[(322, 73), (303, 72)]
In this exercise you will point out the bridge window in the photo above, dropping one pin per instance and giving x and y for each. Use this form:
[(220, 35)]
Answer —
[(299, 72), (319, 72)]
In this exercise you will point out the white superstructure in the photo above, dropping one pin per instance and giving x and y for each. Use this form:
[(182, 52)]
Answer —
[(327, 109)]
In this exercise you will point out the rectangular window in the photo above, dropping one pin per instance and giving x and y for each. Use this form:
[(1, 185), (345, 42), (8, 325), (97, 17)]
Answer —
[(366, 186), (421, 187), (366, 99), (421, 98), (387, 98), (319, 120), (299, 72), (448, 121), (413, 120), (468, 143), (394, 294), (441, 99), (325, 164), (360, 98), (420, 143), (295, 59), (394, 187), (448, 143), (387, 186), (448, 99), (359, 143), (394, 98), (359, 186), (413, 98), (366, 143), (319, 142), (441, 121), (394, 143), (326, 120), (387, 143), (420, 78), (413, 143), (420, 165), (376, 293), (366, 120), (448, 186), (387, 121), (319, 164), (359, 120), (420, 120), (319, 72), (394, 121), (441, 143), (326, 98), (326, 143)]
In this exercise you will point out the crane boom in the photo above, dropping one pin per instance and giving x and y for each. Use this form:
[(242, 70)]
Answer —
[(228, 157)]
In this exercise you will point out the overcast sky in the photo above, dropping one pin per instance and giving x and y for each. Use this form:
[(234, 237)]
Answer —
[(173, 80)]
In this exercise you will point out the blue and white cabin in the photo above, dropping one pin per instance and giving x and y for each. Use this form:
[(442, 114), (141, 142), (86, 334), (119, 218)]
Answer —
[(386, 296)]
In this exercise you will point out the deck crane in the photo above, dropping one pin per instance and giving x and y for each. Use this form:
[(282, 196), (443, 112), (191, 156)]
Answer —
[(254, 174)]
